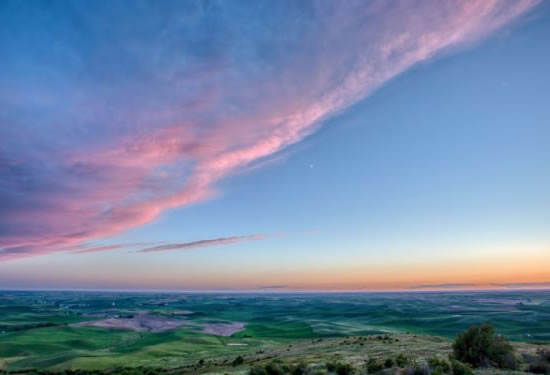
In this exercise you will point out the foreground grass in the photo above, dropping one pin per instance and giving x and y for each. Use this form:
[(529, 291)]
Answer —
[(200, 355), (355, 351)]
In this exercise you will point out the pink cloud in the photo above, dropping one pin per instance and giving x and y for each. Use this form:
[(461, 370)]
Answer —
[(174, 148)]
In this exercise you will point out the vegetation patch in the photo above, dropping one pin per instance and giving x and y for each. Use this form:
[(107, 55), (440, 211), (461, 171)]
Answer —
[(481, 346)]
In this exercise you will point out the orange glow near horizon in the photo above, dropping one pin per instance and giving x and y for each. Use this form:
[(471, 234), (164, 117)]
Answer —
[(528, 272), (470, 267)]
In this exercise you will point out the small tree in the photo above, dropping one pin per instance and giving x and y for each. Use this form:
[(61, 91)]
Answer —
[(481, 346)]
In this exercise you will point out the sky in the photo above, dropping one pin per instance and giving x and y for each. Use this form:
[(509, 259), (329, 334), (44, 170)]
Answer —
[(274, 145)]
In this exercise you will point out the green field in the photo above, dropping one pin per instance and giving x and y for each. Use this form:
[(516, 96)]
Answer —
[(38, 331)]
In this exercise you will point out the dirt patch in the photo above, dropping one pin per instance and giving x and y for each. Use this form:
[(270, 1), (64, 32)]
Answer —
[(139, 323), (223, 329)]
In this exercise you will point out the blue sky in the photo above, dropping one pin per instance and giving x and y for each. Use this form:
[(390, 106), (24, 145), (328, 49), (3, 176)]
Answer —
[(307, 145)]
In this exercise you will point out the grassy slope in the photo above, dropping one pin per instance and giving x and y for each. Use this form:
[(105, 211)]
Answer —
[(181, 351), (354, 350), (63, 347)]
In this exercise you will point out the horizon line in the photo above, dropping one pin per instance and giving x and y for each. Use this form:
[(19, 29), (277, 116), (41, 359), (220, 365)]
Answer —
[(274, 291)]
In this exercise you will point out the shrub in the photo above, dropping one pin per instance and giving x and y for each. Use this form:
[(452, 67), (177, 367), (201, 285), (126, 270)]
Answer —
[(279, 368), (544, 355), (460, 368), (481, 346), (239, 360), (542, 364), (274, 369), (340, 368), (373, 366), (439, 366), (388, 363), (257, 370), (300, 369), (402, 360), (539, 368), (344, 369)]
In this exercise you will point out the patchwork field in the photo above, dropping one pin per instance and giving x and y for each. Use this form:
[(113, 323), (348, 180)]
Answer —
[(55, 330)]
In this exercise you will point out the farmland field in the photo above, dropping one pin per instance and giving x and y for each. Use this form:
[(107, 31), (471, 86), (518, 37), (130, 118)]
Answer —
[(84, 330)]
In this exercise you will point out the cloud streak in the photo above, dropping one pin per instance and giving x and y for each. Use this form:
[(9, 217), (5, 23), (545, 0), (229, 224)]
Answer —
[(139, 110), (526, 285), (202, 243), (97, 249), (450, 286), (274, 287), (468, 286)]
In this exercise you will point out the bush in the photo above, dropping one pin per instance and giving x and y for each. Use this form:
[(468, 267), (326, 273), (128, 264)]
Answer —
[(402, 360), (278, 368), (542, 364), (344, 369), (439, 366), (374, 366), (274, 369), (300, 369), (239, 360), (544, 355), (389, 363), (539, 368), (481, 346), (460, 368), (340, 368), (257, 370)]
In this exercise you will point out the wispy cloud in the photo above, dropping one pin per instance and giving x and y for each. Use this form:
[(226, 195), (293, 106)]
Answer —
[(526, 285), (465, 286), (86, 249), (139, 110), (449, 286), (202, 243), (274, 287)]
